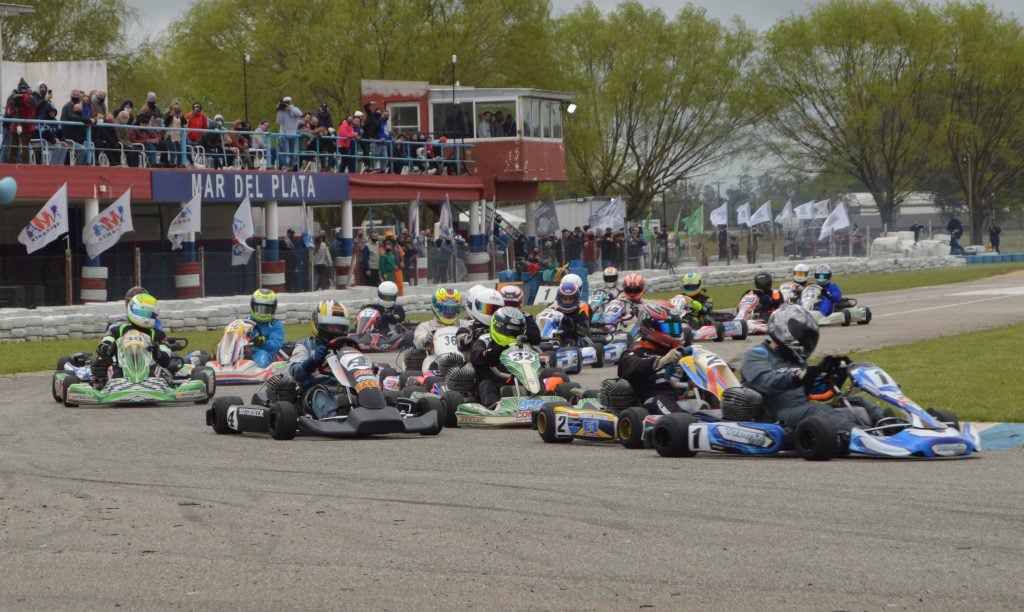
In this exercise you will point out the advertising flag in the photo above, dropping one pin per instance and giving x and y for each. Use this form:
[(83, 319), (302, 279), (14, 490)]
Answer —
[(49, 223), (307, 235), (720, 215), (821, 209), (805, 212), (547, 220), (242, 229), (763, 214), (414, 220), (187, 221), (105, 229), (836, 220), (695, 222), (787, 212), (743, 214), (445, 221)]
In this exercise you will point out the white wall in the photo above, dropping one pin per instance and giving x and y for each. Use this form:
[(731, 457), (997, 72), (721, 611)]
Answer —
[(60, 77)]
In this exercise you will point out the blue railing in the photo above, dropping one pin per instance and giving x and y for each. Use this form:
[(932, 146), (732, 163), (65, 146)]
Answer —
[(302, 151)]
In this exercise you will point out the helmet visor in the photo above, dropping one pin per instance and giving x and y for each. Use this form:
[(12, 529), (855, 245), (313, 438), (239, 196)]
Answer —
[(387, 297), (448, 311), (333, 330), (800, 276), (263, 310), (822, 277), (691, 289), (633, 290), (488, 309), (671, 328)]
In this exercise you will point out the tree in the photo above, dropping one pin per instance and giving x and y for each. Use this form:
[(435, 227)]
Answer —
[(984, 124), (67, 30), (659, 99), (851, 86)]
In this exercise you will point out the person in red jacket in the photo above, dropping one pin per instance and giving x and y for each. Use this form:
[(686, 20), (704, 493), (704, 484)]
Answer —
[(21, 105), (196, 120), (346, 138)]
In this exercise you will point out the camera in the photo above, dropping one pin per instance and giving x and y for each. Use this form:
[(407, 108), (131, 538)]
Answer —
[(282, 105)]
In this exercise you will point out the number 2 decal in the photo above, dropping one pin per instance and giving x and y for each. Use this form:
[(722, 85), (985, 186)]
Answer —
[(562, 425)]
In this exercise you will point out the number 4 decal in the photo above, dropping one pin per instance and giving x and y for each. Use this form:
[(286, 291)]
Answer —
[(233, 417)]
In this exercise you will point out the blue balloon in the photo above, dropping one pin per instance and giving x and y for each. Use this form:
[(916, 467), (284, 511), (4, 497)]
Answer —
[(8, 189)]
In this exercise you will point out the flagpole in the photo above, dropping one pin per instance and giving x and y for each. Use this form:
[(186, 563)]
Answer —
[(68, 281)]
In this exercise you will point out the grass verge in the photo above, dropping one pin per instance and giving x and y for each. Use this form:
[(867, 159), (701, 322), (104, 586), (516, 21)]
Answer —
[(971, 374)]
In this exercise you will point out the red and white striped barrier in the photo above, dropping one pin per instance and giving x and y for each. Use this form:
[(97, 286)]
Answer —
[(272, 273), (421, 268), (477, 266), (342, 271), (187, 281), (94, 284)]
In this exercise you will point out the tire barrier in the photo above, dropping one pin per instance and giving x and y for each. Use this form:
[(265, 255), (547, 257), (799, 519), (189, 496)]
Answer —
[(187, 281), (272, 272), (94, 284)]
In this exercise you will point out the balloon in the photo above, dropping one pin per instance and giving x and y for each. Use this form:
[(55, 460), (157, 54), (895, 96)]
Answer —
[(8, 189)]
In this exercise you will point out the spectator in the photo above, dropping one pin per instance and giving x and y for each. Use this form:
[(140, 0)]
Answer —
[(213, 143), (484, 129), (635, 248), (498, 126), (371, 125), (323, 116), (916, 228), (563, 248), (346, 140), (259, 136), (21, 105), (954, 226), (73, 113), (321, 263), (509, 126), (301, 254), (150, 109), (121, 123), (43, 101), (411, 253), (723, 243), (993, 235), (149, 139), (237, 138), (172, 139), (99, 103), (371, 260), (662, 242), (196, 120), (590, 252), (105, 141), (53, 134), (288, 116), (328, 147), (858, 241), (606, 246), (388, 261)]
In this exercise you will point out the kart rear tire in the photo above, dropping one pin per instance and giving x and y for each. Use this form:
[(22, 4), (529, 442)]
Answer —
[(671, 435), (867, 317), (411, 358), (426, 405), (220, 414), (451, 401), (743, 331), (403, 378), (599, 350), (847, 317), (282, 421), (209, 377), (66, 383), (816, 439), (386, 371), (546, 425), (719, 332), (617, 393), (565, 389), (408, 391), (550, 372), (629, 429), (944, 416), (61, 362), (552, 358), (508, 391)]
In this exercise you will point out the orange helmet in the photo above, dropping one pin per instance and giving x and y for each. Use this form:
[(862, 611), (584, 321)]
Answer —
[(633, 287), (661, 324)]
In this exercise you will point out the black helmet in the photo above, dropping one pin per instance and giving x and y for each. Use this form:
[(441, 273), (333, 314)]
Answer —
[(763, 281), (795, 330), (507, 325)]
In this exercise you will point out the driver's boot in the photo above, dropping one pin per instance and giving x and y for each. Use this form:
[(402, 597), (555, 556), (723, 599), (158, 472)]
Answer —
[(99, 373)]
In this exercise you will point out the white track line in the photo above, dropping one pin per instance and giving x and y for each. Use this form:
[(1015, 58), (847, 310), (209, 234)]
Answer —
[(905, 312)]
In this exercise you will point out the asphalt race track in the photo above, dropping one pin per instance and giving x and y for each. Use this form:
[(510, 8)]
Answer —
[(147, 507)]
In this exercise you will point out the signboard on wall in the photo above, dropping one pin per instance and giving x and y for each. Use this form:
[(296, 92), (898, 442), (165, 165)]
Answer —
[(233, 186)]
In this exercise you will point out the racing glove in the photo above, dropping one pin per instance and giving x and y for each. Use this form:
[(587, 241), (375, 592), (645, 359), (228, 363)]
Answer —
[(464, 340), (161, 357), (669, 358), (105, 350), (313, 361), (259, 340)]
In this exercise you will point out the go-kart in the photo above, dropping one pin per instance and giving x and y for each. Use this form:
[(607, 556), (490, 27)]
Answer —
[(232, 363), (911, 431), (846, 310), (713, 330), (529, 387), (610, 328), (80, 364), (279, 407), (572, 356), (134, 379), (375, 336), (747, 311), (701, 377)]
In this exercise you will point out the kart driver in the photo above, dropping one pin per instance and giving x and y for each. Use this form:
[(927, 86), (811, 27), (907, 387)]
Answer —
[(575, 323), (269, 332), (700, 302), (831, 294), (387, 305), (633, 287), (651, 362), (446, 304), (513, 297), (142, 314), (329, 322), (801, 274), (611, 282), (768, 299), (134, 291), (507, 325), (778, 370), (482, 305)]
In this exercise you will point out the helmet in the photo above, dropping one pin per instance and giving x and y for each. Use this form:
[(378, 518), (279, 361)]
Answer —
[(800, 274), (633, 287), (763, 281), (660, 324), (263, 305), (823, 274), (795, 330), (611, 277), (568, 300), (573, 278), (693, 282), (134, 291), (512, 295), (387, 294), (330, 320), (143, 311), (486, 302), (507, 325), (446, 304)]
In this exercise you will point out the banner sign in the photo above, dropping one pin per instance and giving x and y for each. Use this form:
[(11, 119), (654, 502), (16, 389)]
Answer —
[(233, 186)]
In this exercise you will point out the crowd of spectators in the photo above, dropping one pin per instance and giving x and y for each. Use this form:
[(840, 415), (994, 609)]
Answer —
[(127, 135)]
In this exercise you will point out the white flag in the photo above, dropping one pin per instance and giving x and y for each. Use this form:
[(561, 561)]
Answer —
[(787, 212), (612, 215), (836, 220), (445, 222), (720, 215), (821, 209), (763, 214), (49, 223), (743, 214), (307, 235), (187, 221), (105, 229), (414, 219), (241, 230), (805, 212)]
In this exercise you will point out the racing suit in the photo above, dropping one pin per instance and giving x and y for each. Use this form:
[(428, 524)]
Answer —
[(485, 356), (767, 303), (389, 316), (267, 340), (651, 385), (780, 380), (424, 333), (107, 348), (306, 367), (700, 310), (574, 326), (830, 296)]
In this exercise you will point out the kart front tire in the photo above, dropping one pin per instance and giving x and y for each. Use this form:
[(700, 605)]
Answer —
[(743, 331), (671, 435), (816, 439), (546, 425), (944, 416), (451, 400), (599, 350), (426, 405), (629, 429), (867, 317), (61, 362), (847, 317), (719, 332), (209, 378), (282, 421), (565, 389), (65, 384), (220, 414)]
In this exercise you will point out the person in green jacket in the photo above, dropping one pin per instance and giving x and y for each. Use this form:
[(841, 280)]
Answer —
[(388, 262)]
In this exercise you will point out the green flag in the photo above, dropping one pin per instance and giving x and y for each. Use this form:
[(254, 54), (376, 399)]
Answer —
[(675, 233), (695, 222)]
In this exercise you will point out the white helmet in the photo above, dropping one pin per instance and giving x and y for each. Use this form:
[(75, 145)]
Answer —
[(801, 274), (387, 294), (484, 304), (574, 279)]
